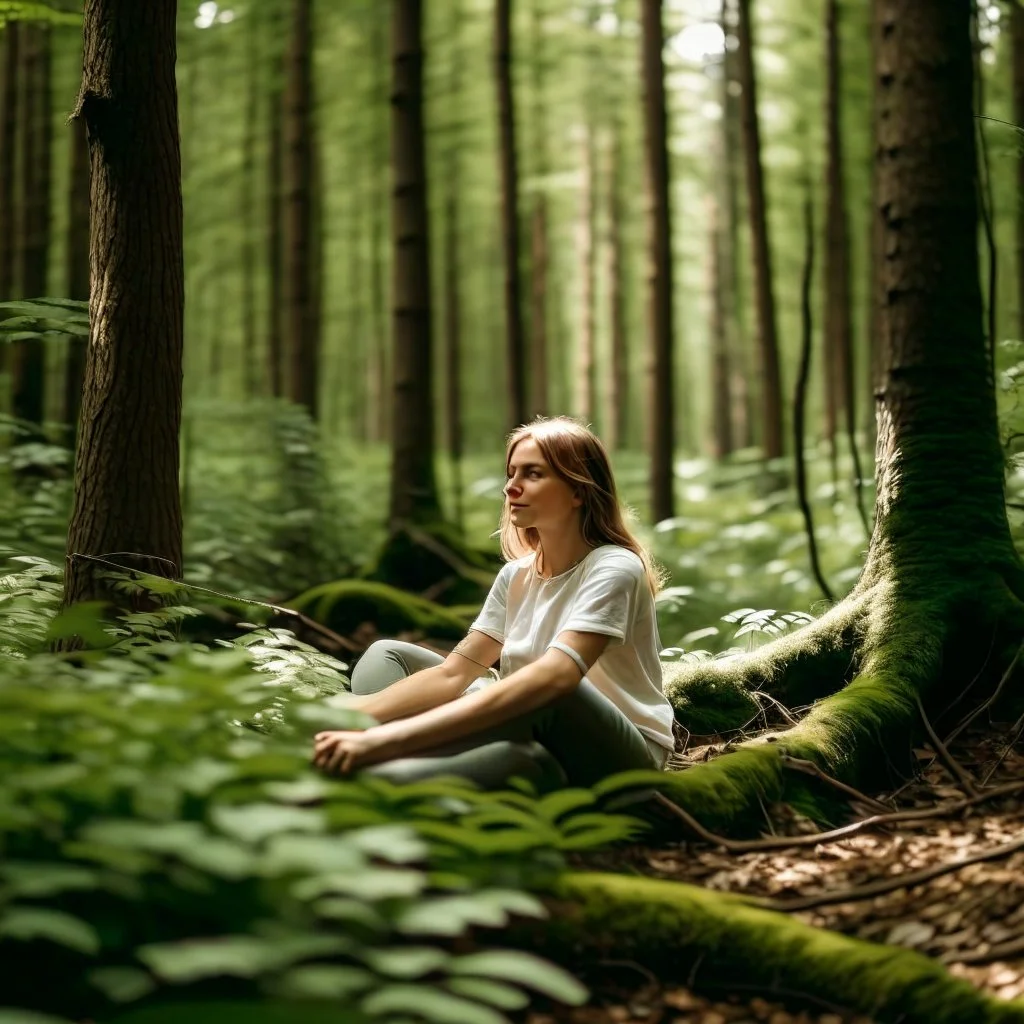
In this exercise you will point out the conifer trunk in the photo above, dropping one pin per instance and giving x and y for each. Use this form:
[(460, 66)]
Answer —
[(414, 496), (127, 504), (721, 401), (660, 372), (77, 264), (247, 203), (539, 246), (618, 421), (584, 370), (275, 204), (8, 156), (1017, 60), (28, 377), (515, 342), (767, 334), (300, 238)]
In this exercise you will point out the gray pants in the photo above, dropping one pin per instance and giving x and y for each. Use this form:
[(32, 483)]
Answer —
[(576, 740)]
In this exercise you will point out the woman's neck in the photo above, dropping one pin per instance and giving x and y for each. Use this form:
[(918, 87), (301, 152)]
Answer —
[(559, 553)]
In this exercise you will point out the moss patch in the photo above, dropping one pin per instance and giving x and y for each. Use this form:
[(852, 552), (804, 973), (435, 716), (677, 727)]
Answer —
[(670, 926), (344, 604), (708, 707)]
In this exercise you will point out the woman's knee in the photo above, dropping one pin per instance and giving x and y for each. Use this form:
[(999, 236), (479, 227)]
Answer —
[(386, 661)]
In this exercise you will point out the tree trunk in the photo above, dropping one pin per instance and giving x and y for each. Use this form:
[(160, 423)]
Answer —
[(300, 290), (515, 342), (127, 505), (660, 371), (768, 342), (721, 405), (737, 336), (275, 216), (586, 248), (247, 203), (77, 264), (617, 425), (8, 156), (414, 496), (1017, 46), (838, 315), (539, 246)]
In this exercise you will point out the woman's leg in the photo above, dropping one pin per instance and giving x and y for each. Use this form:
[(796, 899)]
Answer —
[(387, 661)]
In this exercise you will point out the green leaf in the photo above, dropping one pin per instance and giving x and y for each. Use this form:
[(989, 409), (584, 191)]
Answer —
[(371, 884), (451, 915), (406, 961), (12, 1015), (323, 981), (338, 908), (505, 997), (122, 984), (28, 923), (553, 806), (522, 969), (311, 855), (27, 878), (254, 822), (396, 843), (430, 1004)]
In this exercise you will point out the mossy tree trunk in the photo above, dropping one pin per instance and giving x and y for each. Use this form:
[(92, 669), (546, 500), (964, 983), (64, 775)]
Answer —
[(126, 503), (77, 265), (939, 601)]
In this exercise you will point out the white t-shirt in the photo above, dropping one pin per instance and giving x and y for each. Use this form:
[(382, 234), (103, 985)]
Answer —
[(606, 593)]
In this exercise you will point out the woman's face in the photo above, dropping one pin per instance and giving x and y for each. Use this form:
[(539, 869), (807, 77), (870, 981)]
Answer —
[(537, 496)]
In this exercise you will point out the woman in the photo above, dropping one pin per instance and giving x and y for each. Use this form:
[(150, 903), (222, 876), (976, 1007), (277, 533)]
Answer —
[(578, 695)]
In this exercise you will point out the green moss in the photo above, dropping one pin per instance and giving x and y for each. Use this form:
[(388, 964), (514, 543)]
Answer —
[(708, 707), (421, 558), (670, 927), (344, 604)]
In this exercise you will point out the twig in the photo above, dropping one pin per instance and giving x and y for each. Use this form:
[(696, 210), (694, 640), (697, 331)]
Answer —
[(953, 766), (1018, 728), (1005, 949), (844, 831), (990, 701), (907, 880), (783, 710), (810, 768)]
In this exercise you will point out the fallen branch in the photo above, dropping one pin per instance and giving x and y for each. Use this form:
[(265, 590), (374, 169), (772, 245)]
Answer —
[(1012, 947), (1018, 728), (907, 880), (953, 766), (810, 768)]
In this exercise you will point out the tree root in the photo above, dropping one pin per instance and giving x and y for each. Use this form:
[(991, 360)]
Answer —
[(669, 926)]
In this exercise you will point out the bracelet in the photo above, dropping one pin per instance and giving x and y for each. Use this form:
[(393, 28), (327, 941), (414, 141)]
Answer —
[(486, 668)]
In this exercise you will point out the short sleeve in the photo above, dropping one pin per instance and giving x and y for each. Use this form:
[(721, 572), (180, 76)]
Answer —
[(606, 600), (491, 619)]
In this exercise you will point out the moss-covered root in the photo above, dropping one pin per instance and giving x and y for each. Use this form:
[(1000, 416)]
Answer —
[(799, 668), (670, 927)]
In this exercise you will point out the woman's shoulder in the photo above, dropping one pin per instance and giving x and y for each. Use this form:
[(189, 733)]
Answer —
[(617, 558)]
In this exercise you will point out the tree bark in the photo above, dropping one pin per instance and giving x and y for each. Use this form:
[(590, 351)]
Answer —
[(9, 106), (586, 248), (721, 402), (28, 368), (275, 215), (300, 290), (414, 497), (247, 204), (515, 342), (77, 264), (839, 388), (768, 342), (539, 245), (617, 425), (1017, 47), (126, 503), (660, 370)]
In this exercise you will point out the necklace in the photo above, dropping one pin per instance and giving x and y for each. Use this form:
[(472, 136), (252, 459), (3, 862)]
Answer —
[(565, 572)]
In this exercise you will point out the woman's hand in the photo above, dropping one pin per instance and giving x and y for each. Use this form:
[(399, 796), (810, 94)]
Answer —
[(342, 750)]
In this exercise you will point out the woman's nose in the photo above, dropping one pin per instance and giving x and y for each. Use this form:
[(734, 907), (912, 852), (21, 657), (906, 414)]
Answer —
[(512, 489)]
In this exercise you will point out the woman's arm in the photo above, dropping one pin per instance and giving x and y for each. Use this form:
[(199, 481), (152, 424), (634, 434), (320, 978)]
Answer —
[(431, 687), (551, 676)]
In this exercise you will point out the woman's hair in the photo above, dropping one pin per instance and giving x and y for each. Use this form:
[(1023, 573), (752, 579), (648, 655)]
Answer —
[(577, 455)]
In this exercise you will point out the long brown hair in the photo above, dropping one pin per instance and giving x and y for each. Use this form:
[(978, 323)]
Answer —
[(576, 454)]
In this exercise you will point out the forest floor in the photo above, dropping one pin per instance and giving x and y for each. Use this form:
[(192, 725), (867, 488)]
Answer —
[(971, 918)]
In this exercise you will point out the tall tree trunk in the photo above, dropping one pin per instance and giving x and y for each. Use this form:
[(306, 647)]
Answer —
[(539, 246), (414, 497), (247, 202), (660, 371), (586, 247), (8, 155), (1017, 46), (301, 310), (721, 406), (77, 264), (838, 314), (126, 495), (28, 376), (768, 342), (744, 421), (617, 425), (275, 217), (378, 383), (515, 342), (452, 290)]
